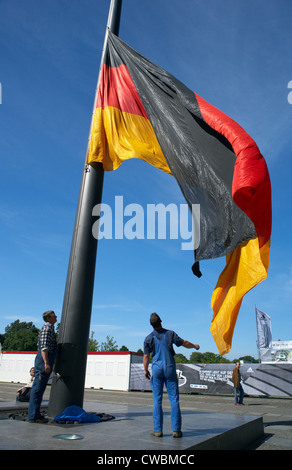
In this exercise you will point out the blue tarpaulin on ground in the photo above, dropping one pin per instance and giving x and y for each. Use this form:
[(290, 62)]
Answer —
[(75, 413)]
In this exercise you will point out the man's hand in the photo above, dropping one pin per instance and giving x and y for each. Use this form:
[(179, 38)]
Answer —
[(189, 345), (47, 368), (147, 374), (146, 361)]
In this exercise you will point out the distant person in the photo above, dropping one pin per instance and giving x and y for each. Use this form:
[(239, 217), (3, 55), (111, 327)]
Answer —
[(44, 361), (23, 393), (160, 344), (238, 390)]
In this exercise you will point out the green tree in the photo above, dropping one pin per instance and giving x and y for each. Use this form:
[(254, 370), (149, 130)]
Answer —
[(249, 359), (109, 345), (180, 359), (2, 338), (196, 358), (57, 330), (211, 358), (207, 358), (93, 345), (21, 336)]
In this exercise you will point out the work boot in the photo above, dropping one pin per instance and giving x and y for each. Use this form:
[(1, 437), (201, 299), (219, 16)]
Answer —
[(176, 434), (39, 420), (156, 433)]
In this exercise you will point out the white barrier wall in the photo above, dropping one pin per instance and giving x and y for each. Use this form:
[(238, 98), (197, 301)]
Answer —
[(15, 366), (124, 371), (108, 370)]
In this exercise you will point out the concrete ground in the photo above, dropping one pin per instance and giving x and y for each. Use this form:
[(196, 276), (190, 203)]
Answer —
[(275, 412), (205, 417)]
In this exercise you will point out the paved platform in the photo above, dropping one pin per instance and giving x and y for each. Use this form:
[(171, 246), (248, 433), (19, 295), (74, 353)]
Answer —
[(209, 422), (129, 430)]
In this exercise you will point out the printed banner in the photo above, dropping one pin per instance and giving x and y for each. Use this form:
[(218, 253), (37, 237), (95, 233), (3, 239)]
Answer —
[(279, 351), (264, 329), (257, 379)]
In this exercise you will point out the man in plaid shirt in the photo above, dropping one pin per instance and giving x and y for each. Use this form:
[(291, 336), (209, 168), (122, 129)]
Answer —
[(44, 361)]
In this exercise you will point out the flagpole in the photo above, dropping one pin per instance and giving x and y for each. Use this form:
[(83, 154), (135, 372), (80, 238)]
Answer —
[(70, 368), (258, 343)]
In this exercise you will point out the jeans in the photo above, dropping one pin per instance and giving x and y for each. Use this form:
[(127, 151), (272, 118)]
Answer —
[(238, 391), (173, 395), (164, 372), (39, 386)]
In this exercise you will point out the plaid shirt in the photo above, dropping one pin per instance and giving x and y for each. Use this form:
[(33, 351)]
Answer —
[(47, 338)]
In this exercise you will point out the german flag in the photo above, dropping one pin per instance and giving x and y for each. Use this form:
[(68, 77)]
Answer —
[(144, 112)]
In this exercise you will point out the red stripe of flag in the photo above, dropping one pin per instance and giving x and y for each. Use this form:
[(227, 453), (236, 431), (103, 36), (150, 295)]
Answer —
[(118, 90)]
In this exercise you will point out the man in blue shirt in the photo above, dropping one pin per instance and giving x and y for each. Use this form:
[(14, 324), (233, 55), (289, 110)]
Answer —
[(159, 343)]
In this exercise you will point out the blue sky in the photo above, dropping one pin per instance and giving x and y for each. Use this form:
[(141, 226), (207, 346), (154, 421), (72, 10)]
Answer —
[(236, 55)]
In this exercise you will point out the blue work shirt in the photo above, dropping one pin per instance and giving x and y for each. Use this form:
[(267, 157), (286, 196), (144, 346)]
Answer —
[(170, 336)]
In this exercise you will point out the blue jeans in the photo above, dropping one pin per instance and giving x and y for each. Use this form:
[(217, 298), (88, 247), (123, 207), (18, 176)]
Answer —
[(39, 385), (173, 395), (238, 391)]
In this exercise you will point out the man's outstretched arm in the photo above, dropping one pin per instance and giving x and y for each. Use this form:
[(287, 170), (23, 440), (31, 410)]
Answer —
[(189, 345)]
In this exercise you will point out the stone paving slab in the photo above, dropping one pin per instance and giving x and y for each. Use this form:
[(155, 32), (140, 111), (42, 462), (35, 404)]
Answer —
[(130, 430), (134, 420)]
